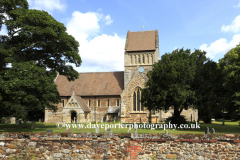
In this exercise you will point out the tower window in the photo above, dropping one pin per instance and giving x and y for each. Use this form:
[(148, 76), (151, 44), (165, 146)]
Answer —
[(117, 102), (89, 103), (137, 105), (139, 59), (147, 58), (63, 103), (131, 59), (135, 59), (98, 103), (108, 102), (143, 59)]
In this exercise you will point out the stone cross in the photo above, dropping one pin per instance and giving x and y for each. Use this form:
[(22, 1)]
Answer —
[(213, 131), (135, 130), (207, 131)]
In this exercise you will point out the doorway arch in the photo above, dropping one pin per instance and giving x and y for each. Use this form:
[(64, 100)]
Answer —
[(73, 114)]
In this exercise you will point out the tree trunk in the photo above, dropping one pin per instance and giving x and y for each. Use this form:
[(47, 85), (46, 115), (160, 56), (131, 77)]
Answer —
[(150, 117)]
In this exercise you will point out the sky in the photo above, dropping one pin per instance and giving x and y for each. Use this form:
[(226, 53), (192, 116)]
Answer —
[(101, 27)]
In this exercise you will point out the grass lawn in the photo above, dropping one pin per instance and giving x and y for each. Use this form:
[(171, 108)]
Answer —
[(229, 127)]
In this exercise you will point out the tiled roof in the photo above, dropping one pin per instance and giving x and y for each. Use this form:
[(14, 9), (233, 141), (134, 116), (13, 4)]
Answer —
[(83, 104), (92, 84), (141, 41)]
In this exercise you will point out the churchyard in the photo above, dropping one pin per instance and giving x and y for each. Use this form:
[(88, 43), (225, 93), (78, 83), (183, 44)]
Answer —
[(228, 127)]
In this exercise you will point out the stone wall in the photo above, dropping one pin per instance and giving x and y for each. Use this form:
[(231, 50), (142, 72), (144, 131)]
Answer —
[(118, 146)]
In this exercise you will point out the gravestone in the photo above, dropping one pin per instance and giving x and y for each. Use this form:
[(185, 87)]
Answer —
[(135, 130), (13, 120), (40, 120), (25, 124), (97, 129), (68, 130), (17, 122), (49, 131), (223, 121), (207, 131), (213, 131), (32, 124), (6, 120), (78, 127), (166, 132), (63, 124), (128, 131)]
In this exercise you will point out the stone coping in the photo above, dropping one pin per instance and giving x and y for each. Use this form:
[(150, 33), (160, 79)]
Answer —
[(6, 136)]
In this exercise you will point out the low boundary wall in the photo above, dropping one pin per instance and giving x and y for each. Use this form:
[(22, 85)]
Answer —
[(118, 146)]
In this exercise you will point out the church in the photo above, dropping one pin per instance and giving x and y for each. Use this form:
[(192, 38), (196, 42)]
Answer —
[(106, 96)]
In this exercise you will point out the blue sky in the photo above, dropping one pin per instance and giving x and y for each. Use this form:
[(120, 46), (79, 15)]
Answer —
[(101, 26)]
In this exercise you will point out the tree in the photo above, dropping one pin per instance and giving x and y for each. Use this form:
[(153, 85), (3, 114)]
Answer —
[(38, 47), (170, 81), (230, 66), (209, 91)]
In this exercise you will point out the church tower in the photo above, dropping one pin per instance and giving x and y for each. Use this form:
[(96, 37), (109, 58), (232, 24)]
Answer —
[(141, 51)]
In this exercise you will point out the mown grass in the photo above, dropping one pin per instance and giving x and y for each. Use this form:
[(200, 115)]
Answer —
[(229, 127)]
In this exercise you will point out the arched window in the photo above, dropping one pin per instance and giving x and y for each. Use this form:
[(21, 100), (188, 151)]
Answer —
[(143, 59), (147, 58), (131, 60), (152, 59), (138, 100), (137, 106), (139, 59), (134, 101), (135, 59)]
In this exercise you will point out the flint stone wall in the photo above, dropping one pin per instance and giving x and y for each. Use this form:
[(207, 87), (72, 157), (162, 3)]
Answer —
[(132, 146)]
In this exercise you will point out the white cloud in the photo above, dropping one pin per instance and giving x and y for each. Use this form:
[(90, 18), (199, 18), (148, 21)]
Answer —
[(98, 52), (236, 6), (233, 27), (220, 47), (48, 5), (108, 20)]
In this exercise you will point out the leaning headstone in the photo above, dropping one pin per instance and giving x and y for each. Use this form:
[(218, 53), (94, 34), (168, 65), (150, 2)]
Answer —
[(223, 121), (213, 131), (17, 122), (63, 124), (78, 127), (13, 120), (135, 130), (97, 129), (207, 131), (68, 130), (49, 131)]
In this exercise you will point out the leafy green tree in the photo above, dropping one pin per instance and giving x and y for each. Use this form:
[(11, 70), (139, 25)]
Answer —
[(38, 47), (230, 66), (170, 83), (209, 91)]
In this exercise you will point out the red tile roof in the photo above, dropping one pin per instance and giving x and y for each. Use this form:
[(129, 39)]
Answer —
[(92, 84), (83, 104), (141, 41)]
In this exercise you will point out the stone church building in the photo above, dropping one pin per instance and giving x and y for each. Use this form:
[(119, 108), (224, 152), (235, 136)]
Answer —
[(104, 96)]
